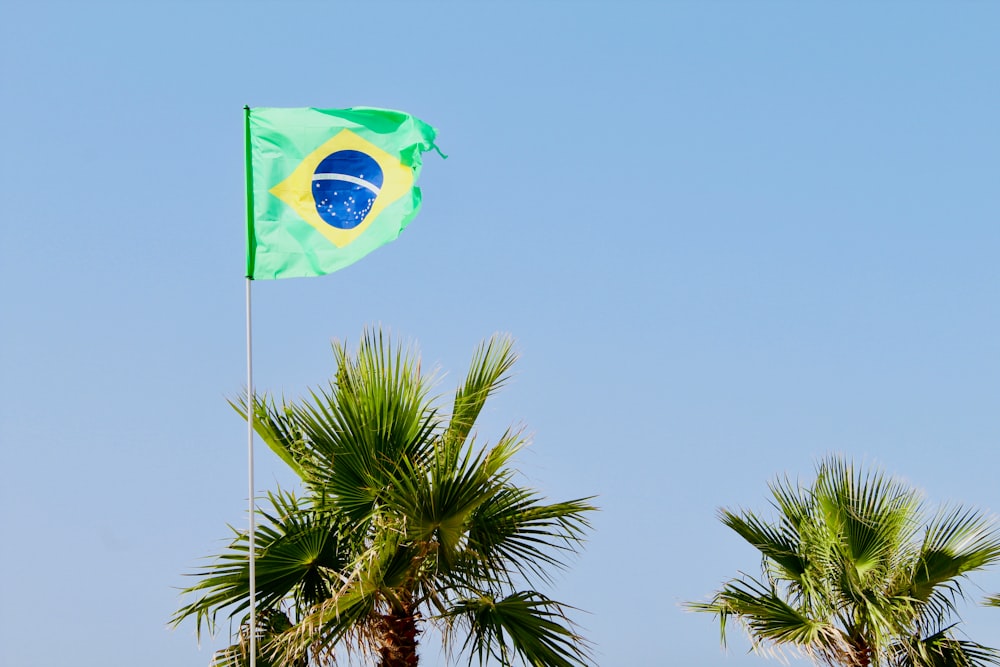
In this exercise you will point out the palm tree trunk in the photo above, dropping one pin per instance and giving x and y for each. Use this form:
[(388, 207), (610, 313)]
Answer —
[(399, 639), (863, 654)]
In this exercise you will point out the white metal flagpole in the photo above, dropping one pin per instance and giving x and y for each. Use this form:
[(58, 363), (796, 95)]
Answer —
[(252, 546)]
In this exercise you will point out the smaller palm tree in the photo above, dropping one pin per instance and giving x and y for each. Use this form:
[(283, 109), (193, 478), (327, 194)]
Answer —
[(855, 573)]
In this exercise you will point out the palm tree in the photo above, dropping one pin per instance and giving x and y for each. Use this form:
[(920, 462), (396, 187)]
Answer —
[(855, 573), (404, 521)]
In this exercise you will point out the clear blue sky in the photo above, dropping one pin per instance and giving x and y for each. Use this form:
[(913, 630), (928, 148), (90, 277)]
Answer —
[(729, 237)]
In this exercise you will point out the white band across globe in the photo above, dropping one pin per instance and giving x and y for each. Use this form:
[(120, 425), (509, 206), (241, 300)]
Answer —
[(350, 179)]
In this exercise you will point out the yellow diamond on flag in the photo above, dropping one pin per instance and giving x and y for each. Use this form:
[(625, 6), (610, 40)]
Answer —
[(342, 186)]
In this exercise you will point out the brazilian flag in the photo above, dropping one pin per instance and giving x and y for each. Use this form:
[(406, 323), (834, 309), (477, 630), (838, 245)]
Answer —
[(325, 187)]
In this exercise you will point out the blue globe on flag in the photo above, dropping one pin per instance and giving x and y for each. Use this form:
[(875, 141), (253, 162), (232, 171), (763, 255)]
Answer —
[(344, 187)]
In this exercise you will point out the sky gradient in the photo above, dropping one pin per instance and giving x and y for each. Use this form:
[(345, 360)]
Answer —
[(729, 238)]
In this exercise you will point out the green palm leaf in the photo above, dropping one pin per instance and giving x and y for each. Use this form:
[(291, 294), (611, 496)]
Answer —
[(956, 542), (297, 550), (491, 364), (523, 626), (942, 650)]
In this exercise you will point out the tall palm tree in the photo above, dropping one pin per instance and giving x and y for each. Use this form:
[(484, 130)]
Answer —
[(855, 573), (404, 520)]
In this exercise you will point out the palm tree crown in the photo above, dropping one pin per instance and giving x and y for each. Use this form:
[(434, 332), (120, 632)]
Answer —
[(856, 573), (404, 520)]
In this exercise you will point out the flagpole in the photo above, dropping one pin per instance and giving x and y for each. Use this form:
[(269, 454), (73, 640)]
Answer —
[(251, 543), (252, 546)]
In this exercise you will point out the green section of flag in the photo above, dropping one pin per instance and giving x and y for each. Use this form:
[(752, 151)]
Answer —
[(291, 232)]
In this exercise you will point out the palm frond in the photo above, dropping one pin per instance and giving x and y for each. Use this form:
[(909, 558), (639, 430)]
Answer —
[(771, 621), (774, 543), (941, 649), (296, 549), (270, 627), (348, 619), (956, 542), (873, 514), (516, 531), (524, 626), (347, 438), (488, 372), (276, 427)]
